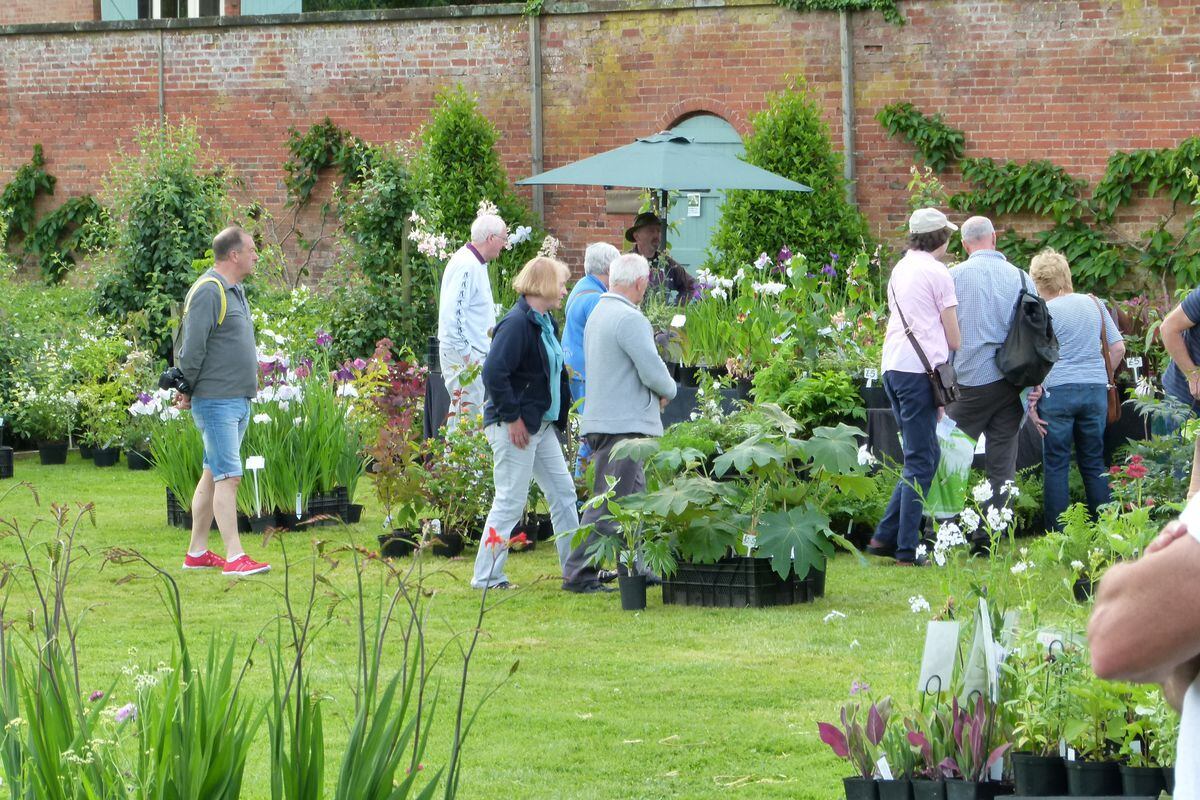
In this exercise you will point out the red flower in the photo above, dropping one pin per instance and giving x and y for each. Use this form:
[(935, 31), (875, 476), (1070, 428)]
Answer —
[(1149, 501), (1136, 471), (518, 541), (493, 539), (1114, 470), (1135, 459)]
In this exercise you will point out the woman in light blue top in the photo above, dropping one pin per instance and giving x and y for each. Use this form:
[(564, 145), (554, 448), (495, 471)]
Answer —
[(1073, 406)]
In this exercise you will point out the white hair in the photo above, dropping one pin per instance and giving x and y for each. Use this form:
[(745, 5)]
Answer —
[(977, 228), (486, 225), (628, 270), (598, 257)]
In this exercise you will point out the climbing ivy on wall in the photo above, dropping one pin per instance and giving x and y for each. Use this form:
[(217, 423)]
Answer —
[(938, 143), (30, 180), (1101, 256), (889, 8)]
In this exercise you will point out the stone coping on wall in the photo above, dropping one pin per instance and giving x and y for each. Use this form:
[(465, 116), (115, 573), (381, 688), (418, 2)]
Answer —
[(349, 17)]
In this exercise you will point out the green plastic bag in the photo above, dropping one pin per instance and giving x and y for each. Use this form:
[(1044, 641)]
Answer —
[(948, 492)]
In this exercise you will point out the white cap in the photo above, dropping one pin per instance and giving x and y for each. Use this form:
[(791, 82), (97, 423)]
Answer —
[(928, 220)]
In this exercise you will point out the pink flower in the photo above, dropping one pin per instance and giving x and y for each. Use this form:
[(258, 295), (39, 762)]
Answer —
[(126, 712), (96, 695)]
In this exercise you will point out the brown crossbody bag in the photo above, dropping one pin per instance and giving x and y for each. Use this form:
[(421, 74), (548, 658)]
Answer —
[(942, 377)]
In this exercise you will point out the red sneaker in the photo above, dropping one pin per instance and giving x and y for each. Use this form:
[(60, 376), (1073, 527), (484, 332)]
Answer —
[(244, 565), (209, 560)]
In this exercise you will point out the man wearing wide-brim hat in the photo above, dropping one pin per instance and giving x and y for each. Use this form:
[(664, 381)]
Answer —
[(666, 274)]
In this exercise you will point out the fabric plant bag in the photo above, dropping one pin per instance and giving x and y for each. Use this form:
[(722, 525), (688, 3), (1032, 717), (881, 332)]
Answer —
[(948, 493)]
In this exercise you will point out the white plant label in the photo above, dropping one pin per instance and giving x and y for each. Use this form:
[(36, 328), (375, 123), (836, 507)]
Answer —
[(299, 500), (1070, 754), (1135, 747), (256, 462), (1062, 748), (937, 662), (749, 540), (882, 769), (871, 375), (1134, 363)]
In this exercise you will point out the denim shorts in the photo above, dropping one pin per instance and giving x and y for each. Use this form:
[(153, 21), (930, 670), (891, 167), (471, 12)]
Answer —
[(222, 423)]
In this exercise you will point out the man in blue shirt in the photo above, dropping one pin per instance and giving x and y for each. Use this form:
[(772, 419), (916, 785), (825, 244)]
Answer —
[(583, 298), (1181, 381), (581, 301), (987, 287)]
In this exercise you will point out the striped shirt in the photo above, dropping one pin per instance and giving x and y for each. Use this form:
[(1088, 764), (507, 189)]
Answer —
[(1077, 325), (987, 287)]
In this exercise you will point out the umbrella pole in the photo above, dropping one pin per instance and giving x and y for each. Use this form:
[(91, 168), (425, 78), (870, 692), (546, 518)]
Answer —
[(662, 225)]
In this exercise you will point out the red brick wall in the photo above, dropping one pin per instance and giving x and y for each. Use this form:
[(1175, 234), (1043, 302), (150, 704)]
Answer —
[(1067, 81), (14, 12)]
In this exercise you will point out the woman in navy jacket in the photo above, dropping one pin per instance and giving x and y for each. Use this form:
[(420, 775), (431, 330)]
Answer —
[(529, 398)]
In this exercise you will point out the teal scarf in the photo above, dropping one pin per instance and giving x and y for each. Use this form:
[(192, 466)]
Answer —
[(554, 357)]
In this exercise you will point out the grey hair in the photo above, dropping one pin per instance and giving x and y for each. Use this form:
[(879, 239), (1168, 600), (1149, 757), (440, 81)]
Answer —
[(628, 270), (977, 228), (598, 257), (486, 225)]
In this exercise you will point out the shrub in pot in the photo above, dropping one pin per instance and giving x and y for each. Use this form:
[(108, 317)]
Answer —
[(858, 740), (45, 415)]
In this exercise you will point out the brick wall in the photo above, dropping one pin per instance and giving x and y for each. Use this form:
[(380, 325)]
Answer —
[(1068, 81), (13, 12)]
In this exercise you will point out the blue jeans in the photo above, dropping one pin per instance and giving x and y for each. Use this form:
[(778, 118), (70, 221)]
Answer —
[(585, 449), (1073, 412), (911, 396), (222, 423)]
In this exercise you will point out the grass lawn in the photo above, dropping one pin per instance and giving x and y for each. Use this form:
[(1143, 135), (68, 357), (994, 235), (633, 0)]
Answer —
[(672, 702)]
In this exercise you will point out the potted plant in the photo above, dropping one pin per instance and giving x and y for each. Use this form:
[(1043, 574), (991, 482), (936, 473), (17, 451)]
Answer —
[(1039, 703), (901, 758), (144, 414), (858, 741), (399, 480), (102, 414), (973, 728), (1097, 721), (639, 541), (459, 489), (46, 416), (1146, 711), (931, 735)]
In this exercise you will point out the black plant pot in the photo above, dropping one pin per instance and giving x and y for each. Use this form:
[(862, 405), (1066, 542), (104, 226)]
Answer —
[(52, 453), (688, 374), (6, 462), (895, 790), (545, 527), (258, 524), (1169, 779), (1142, 781), (1093, 779), (397, 544), (353, 513), (137, 460), (1084, 588), (633, 592), (929, 790), (860, 789), (970, 790), (816, 581), (743, 388), (86, 451), (448, 544), (106, 456), (1039, 776)]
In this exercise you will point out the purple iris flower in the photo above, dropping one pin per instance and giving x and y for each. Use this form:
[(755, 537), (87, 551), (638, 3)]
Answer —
[(829, 270), (360, 364), (834, 256), (324, 339), (785, 254), (344, 374), (144, 398)]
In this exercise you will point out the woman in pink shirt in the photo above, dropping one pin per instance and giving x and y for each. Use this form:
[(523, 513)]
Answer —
[(921, 293)]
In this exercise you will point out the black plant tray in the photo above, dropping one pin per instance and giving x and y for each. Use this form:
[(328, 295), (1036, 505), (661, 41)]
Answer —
[(734, 582)]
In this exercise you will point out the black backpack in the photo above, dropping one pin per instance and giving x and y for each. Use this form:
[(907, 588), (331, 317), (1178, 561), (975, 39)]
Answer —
[(1031, 348)]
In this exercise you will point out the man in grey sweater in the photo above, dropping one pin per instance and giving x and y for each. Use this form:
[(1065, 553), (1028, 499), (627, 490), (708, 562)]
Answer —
[(218, 358), (627, 388)]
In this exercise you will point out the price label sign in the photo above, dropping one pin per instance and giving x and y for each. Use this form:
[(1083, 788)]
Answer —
[(871, 375), (1134, 363), (749, 540)]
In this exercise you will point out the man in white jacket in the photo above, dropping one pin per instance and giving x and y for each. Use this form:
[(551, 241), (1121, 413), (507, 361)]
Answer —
[(467, 314)]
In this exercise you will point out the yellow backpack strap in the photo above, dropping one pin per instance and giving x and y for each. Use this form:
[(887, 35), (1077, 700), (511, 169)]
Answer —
[(187, 303)]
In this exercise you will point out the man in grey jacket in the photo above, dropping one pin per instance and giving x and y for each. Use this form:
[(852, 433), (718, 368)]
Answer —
[(627, 388), (219, 361)]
